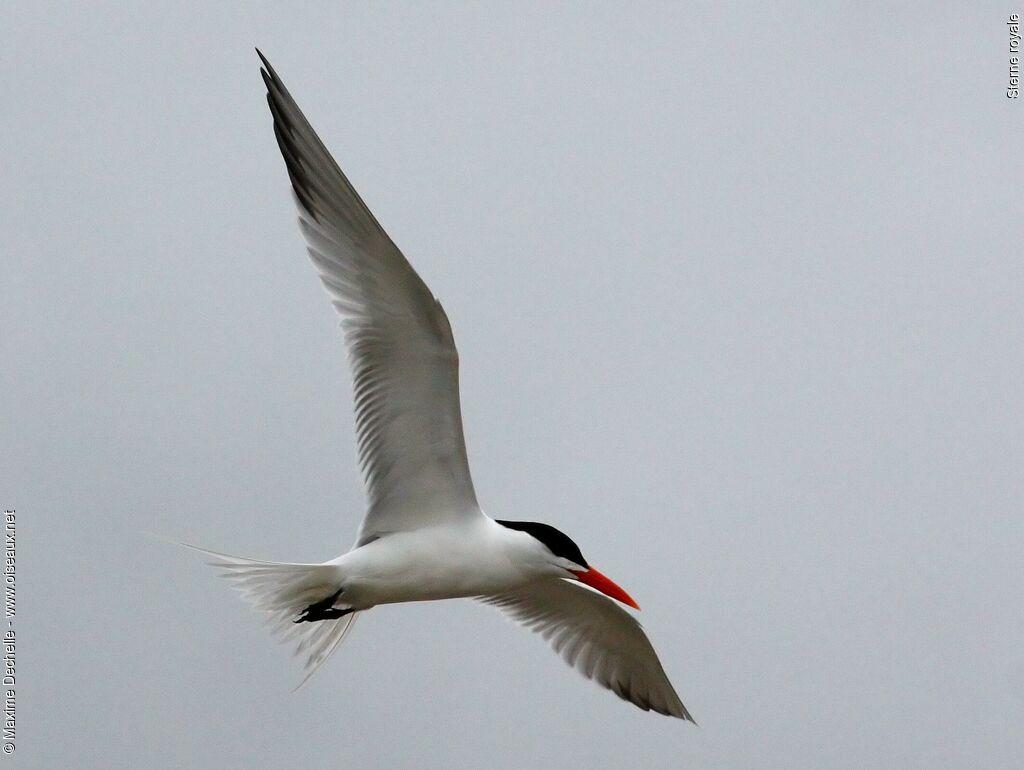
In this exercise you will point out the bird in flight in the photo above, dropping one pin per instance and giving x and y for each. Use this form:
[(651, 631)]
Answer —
[(424, 536)]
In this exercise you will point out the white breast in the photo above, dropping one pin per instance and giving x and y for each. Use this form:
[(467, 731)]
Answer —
[(445, 562)]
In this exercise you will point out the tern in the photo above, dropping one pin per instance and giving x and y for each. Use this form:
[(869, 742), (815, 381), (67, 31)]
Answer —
[(424, 536)]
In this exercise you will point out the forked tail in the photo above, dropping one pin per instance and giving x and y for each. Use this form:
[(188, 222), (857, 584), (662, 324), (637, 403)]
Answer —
[(287, 594)]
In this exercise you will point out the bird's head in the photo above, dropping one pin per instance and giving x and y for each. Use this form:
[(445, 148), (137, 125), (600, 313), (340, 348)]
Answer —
[(560, 556)]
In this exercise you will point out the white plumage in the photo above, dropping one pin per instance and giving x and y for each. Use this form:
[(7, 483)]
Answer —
[(424, 536)]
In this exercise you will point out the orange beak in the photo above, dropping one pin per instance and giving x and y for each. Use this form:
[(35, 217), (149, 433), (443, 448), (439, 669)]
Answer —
[(607, 586)]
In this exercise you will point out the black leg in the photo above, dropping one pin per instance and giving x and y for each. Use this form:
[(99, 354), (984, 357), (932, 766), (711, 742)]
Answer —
[(322, 610)]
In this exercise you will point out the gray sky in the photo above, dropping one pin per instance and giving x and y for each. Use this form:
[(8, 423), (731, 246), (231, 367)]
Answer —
[(738, 296)]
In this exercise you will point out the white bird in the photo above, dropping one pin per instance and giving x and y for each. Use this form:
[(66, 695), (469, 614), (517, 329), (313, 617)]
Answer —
[(424, 536)]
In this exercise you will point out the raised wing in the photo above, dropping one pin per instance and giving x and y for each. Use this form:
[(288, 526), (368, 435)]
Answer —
[(404, 364), (597, 637)]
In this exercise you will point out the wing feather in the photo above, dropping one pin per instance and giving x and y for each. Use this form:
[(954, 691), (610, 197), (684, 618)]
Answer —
[(405, 367), (597, 637)]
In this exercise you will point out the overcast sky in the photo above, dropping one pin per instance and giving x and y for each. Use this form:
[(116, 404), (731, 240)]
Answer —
[(737, 290)]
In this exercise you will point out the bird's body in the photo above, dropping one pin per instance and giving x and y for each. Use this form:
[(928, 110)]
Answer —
[(424, 536), (475, 557)]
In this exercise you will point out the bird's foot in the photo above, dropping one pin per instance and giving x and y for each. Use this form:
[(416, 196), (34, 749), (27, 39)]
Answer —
[(323, 610)]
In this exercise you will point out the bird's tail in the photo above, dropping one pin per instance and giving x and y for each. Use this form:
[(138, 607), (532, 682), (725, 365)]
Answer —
[(285, 593)]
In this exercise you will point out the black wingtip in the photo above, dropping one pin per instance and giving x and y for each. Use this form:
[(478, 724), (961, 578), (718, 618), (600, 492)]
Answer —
[(268, 70)]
